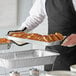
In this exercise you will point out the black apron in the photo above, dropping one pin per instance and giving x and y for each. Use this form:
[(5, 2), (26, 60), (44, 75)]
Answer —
[(61, 18)]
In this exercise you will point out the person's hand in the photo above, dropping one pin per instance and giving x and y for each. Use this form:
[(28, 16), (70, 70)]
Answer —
[(10, 32), (70, 41)]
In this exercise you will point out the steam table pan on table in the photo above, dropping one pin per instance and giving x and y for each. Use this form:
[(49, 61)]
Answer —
[(5, 46), (27, 58)]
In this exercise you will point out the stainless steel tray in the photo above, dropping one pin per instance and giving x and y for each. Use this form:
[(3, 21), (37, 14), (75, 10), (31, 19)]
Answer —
[(5, 46), (21, 41), (27, 58)]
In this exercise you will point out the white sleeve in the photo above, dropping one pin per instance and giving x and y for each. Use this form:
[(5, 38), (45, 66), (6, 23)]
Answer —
[(74, 4), (37, 15)]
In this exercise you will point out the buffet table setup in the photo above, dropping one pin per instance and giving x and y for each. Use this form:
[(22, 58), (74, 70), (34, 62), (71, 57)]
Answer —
[(25, 56)]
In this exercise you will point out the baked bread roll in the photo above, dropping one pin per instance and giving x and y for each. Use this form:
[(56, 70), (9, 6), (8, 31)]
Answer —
[(17, 34), (53, 36), (4, 40), (38, 37), (46, 38), (59, 36), (34, 36)]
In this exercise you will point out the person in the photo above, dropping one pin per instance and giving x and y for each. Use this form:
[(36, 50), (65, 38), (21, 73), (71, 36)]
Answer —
[(70, 41), (61, 18)]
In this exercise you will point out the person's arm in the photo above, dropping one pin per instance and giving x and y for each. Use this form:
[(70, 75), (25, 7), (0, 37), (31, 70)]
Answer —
[(37, 15), (74, 4)]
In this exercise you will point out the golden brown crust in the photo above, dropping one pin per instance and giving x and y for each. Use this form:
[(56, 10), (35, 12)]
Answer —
[(38, 37), (54, 37), (51, 39), (59, 35), (46, 38), (4, 40), (34, 36), (19, 34)]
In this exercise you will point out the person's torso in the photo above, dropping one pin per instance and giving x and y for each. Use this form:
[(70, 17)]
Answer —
[(61, 16)]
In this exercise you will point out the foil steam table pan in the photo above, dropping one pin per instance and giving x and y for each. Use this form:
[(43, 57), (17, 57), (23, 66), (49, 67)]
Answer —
[(5, 46), (27, 58), (21, 41)]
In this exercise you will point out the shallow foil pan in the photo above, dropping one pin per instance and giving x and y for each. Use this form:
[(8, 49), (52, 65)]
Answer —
[(27, 58), (5, 46), (21, 41)]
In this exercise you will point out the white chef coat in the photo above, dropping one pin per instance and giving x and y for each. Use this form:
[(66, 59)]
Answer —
[(37, 15)]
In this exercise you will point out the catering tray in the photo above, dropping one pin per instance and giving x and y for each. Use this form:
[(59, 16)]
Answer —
[(21, 41), (5, 46), (27, 58)]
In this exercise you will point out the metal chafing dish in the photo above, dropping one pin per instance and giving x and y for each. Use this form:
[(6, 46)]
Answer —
[(27, 58), (5, 46)]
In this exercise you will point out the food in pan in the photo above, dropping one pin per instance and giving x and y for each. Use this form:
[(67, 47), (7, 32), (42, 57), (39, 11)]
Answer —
[(35, 36), (47, 38), (18, 34), (4, 40), (59, 36), (54, 37)]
